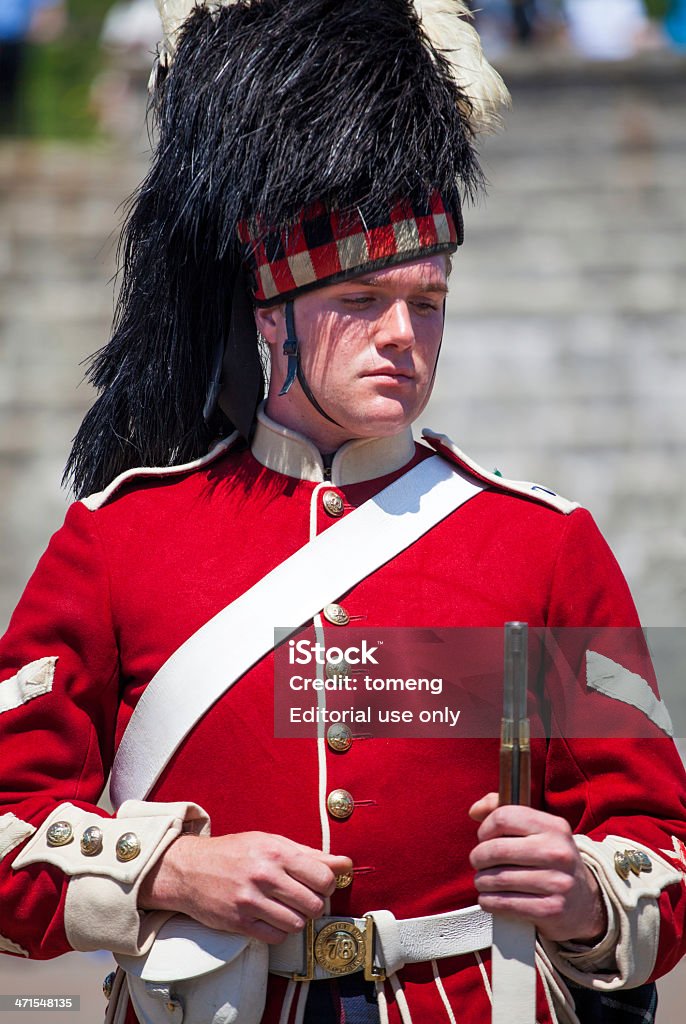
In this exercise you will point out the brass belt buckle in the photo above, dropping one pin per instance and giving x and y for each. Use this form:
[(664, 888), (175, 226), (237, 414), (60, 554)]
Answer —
[(340, 948), (371, 973), (308, 936)]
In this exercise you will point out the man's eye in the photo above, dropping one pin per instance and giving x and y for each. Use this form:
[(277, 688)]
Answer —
[(358, 300), (425, 306)]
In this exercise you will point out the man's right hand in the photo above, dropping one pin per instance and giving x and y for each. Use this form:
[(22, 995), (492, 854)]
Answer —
[(253, 883)]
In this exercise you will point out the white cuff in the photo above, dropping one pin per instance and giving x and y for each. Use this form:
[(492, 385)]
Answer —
[(101, 910), (625, 956), (601, 956)]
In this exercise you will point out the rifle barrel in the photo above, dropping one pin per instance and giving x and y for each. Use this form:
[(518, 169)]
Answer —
[(515, 754)]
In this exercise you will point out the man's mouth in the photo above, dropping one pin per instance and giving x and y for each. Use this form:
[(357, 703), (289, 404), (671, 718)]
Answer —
[(392, 371)]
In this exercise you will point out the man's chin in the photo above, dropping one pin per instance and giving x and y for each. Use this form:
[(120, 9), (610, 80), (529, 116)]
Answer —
[(381, 425)]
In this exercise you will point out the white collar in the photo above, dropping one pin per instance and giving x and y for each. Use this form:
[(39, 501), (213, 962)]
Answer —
[(288, 452)]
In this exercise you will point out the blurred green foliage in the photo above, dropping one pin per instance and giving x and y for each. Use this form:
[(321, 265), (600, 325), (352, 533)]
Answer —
[(657, 8), (58, 77)]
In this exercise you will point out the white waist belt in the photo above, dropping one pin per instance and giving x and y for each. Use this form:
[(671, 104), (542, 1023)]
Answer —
[(378, 943)]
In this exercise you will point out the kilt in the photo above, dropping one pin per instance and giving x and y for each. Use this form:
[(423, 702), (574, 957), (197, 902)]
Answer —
[(630, 1006)]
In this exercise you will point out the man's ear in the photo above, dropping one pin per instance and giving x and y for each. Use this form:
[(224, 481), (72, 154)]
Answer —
[(271, 323)]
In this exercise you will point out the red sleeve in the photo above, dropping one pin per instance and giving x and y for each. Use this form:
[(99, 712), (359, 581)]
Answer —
[(57, 740), (626, 780)]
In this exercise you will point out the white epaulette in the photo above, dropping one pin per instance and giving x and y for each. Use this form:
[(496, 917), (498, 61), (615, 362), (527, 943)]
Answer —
[(444, 446), (100, 498)]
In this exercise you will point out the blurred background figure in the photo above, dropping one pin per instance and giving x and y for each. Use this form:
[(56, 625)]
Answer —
[(675, 23), (590, 29), (22, 21), (611, 30), (504, 24), (524, 19)]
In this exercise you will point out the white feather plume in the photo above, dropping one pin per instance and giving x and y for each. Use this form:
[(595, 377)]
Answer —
[(173, 13), (446, 25)]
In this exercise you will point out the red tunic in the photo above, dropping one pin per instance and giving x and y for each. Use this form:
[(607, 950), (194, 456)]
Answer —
[(122, 586)]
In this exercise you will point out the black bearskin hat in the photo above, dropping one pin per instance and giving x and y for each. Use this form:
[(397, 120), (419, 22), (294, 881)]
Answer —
[(262, 108)]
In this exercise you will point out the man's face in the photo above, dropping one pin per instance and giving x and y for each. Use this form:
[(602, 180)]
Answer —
[(368, 348)]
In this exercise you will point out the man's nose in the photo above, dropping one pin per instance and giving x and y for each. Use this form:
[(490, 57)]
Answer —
[(397, 327)]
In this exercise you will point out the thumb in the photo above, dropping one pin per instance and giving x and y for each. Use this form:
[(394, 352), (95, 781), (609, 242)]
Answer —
[(480, 810), (339, 864)]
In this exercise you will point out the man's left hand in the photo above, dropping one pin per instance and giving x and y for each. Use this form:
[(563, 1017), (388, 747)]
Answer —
[(527, 865)]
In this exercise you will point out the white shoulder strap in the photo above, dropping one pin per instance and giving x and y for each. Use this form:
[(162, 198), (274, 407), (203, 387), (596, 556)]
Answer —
[(223, 650)]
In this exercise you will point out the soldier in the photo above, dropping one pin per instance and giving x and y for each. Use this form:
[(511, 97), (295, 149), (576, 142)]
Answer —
[(307, 185)]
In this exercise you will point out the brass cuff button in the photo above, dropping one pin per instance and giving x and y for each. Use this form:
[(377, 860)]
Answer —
[(343, 881), (91, 841), (60, 833), (339, 737), (333, 503), (128, 846), (340, 803), (336, 615), (622, 866), (639, 861)]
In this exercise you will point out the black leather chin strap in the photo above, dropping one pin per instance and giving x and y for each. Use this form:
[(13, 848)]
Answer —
[(294, 369), (290, 349)]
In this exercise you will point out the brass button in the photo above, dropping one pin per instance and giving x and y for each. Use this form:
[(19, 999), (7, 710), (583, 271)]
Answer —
[(334, 669), (108, 984), (340, 803), (339, 737), (91, 841), (128, 846), (60, 833), (343, 881), (333, 503), (336, 615)]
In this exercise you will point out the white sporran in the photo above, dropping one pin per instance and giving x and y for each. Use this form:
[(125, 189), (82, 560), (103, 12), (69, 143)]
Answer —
[(196, 975)]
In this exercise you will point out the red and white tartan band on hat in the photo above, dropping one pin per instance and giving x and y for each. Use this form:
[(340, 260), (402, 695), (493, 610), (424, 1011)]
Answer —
[(324, 246)]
